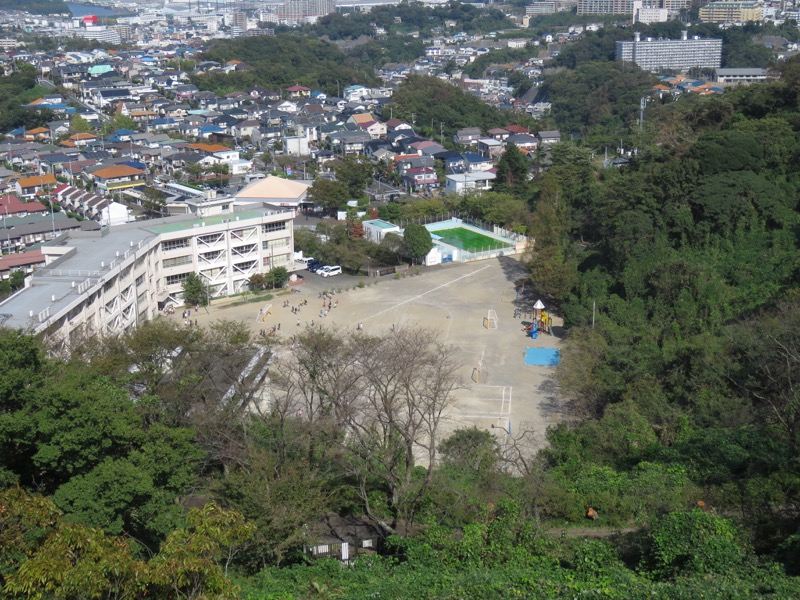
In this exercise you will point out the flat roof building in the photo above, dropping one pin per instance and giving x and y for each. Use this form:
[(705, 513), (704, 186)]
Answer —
[(731, 12), (740, 76), (605, 7), (108, 281), (671, 55)]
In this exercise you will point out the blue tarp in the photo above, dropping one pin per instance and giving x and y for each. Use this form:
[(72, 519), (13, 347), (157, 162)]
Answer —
[(542, 357)]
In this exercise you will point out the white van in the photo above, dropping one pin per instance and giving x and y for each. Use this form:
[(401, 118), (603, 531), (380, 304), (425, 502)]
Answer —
[(331, 271)]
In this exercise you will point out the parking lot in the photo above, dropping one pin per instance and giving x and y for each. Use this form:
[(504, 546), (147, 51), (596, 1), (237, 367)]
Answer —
[(500, 393)]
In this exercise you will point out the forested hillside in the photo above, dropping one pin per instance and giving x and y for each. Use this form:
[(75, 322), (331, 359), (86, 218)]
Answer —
[(280, 61)]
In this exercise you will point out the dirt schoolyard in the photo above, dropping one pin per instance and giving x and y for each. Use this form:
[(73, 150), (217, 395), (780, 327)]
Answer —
[(500, 392)]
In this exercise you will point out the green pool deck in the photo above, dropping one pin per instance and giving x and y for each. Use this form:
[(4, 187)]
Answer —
[(213, 220)]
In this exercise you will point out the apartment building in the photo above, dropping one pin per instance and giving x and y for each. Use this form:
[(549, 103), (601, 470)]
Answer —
[(671, 55), (731, 12), (304, 11), (605, 7), (108, 281)]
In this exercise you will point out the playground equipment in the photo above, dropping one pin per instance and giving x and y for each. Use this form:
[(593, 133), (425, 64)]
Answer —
[(490, 320), (541, 321)]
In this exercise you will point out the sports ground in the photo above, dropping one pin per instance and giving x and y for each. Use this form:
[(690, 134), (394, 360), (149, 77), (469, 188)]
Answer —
[(500, 392)]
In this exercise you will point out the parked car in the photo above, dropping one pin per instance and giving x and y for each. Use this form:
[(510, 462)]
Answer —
[(313, 266), (322, 269), (331, 271), (306, 260)]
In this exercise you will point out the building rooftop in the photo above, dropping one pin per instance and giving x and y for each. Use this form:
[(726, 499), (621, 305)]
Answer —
[(381, 224), (274, 188), (117, 171), (59, 284), (171, 227)]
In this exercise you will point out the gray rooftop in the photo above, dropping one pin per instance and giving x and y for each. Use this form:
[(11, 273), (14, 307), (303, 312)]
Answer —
[(95, 253)]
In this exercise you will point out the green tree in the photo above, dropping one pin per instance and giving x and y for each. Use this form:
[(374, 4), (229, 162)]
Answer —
[(330, 195), (695, 543), (193, 562), (417, 241), (470, 448), (512, 172), (80, 125), (196, 291), (277, 277), (354, 172)]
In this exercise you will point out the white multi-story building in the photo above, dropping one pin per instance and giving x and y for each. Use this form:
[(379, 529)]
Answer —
[(304, 11), (99, 33), (110, 280), (671, 55)]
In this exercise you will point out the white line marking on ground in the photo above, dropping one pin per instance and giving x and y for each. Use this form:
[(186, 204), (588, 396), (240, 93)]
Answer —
[(417, 297)]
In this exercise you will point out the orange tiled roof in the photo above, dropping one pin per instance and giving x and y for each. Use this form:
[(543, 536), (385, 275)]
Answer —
[(36, 130), (117, 171), (37, 180), (82, 136), (211, 148)]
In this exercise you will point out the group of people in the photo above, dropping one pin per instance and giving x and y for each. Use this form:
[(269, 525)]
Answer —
[(271, 331), (295, 309)]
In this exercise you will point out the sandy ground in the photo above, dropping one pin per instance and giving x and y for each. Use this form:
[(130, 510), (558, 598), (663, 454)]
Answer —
[(500, 392)]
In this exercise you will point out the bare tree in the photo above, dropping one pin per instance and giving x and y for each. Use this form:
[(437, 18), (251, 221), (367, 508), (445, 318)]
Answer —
[(383, 399)]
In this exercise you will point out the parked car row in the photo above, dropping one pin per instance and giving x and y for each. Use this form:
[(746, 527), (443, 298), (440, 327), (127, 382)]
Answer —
[(317, 267)]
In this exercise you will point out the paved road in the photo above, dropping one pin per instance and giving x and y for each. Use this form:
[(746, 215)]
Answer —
[(51, 86)]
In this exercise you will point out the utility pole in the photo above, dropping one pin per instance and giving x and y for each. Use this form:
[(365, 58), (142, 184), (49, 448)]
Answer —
[(642, 105)]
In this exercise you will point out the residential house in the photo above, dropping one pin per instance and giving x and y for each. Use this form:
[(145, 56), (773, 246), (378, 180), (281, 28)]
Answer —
[(498, 133), (355, 93), (404, 162), (37, 134), (523, 141), (349, 142), (396, 125), (118, 177), (475, 162), (366, 122), (28, 187), (427, 148), (26, 262), (79, 140), (468, 136), (11, 206), (45, 228), (549, 137), (490, 148), (464, 183), (420, 179), (298, 91)]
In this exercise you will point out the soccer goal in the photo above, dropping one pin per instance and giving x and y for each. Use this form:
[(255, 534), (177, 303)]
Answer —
[(490, 320), (265, 312)]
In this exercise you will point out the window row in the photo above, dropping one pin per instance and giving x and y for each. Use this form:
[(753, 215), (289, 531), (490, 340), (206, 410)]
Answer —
[(173, 279), (270, 227), (176, 262), (175, 244)]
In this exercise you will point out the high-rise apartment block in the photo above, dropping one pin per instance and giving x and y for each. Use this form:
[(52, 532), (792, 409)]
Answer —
[(626, 7), (304, 11), (671, 55), (731, 12)]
